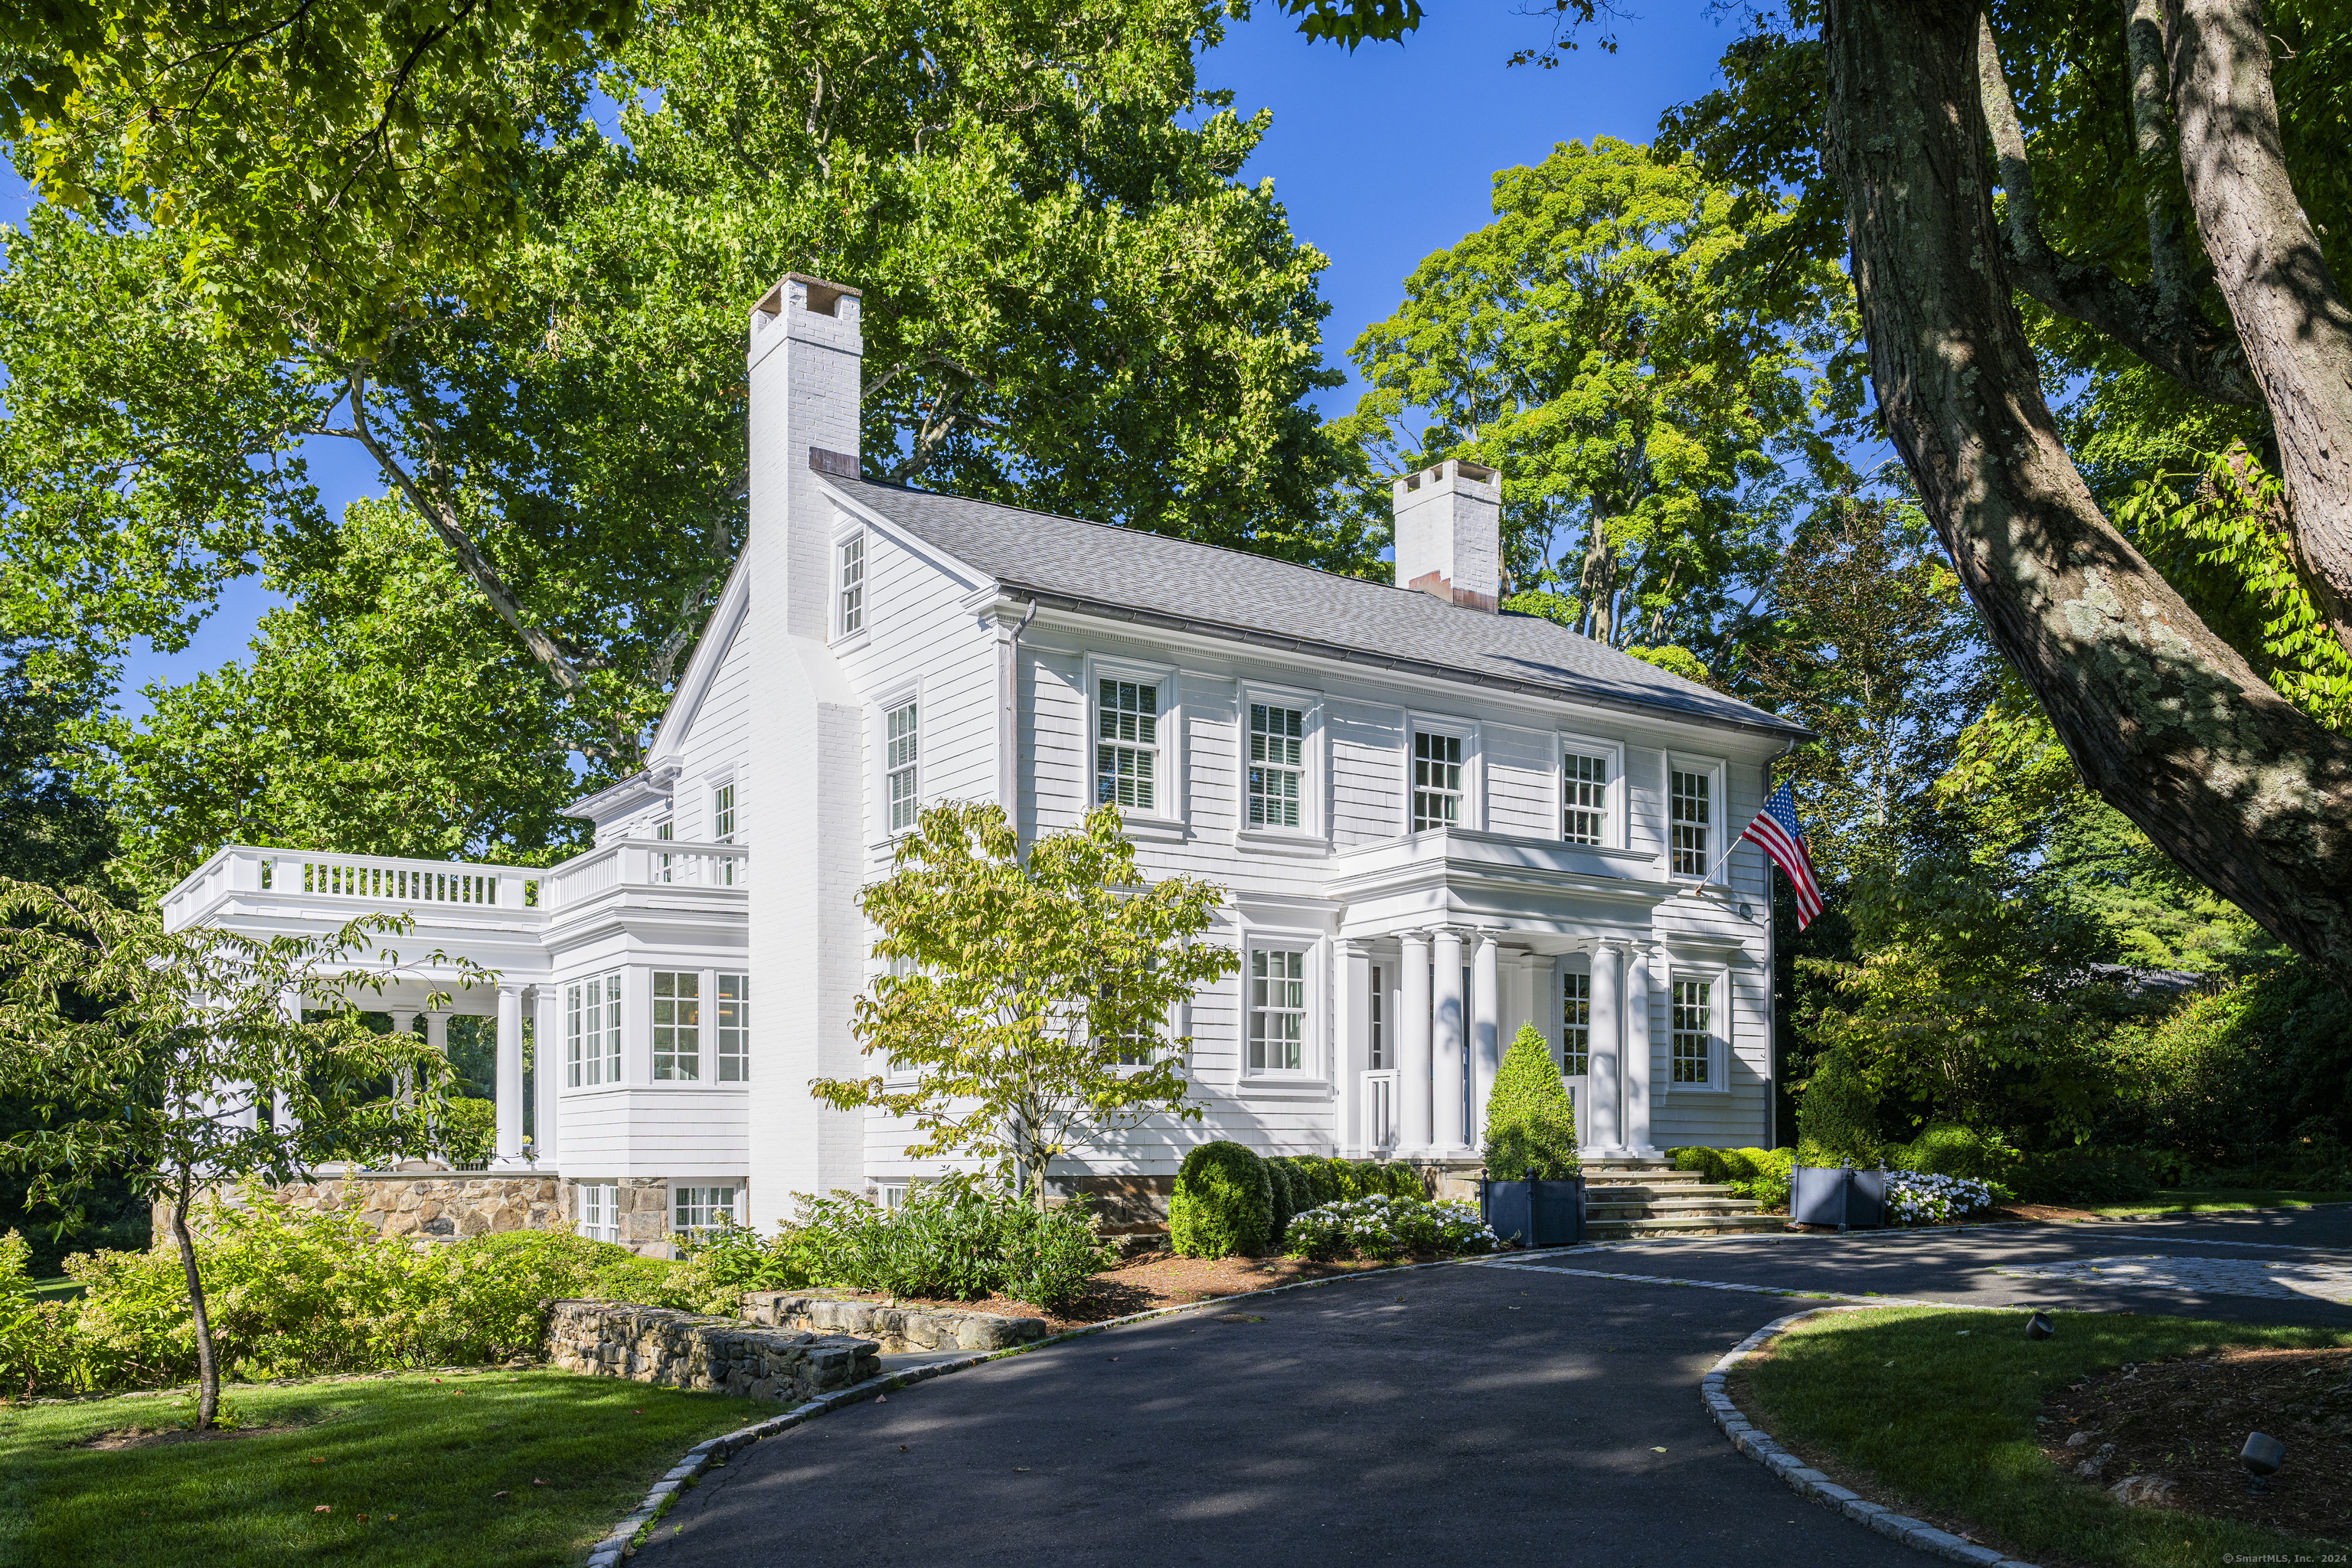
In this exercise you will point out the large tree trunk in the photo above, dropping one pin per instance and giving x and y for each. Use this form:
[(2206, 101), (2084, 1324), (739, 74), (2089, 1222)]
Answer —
[(2290, 314), (207, 1369), (2165, 720)]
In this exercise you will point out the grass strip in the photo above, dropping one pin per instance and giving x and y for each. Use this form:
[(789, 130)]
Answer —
[(421, 1455), (1935, 1409), (2220, 1200)]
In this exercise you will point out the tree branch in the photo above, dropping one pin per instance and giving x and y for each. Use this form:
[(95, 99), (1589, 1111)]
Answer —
[(2151, 102)]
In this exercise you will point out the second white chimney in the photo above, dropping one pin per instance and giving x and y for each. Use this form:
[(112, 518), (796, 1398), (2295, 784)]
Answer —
[(1449, 533)]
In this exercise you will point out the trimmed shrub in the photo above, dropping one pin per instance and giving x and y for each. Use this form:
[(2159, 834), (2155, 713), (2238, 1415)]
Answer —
[(1762, 1174), (1836, 1122), (1224, 1203), (1283, 1183), (1949, 1149), (1530, 1120), (1327, 1177)]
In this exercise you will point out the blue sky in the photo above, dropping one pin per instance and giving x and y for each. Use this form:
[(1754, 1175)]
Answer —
[(1382, 156)]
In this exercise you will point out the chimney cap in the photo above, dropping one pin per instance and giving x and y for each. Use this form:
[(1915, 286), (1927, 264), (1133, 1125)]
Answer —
[(823, 296)]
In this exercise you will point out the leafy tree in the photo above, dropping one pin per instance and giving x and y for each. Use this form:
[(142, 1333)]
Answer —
[(1530, 1120), (173, 1056), (1605, 345), (1030, 997)]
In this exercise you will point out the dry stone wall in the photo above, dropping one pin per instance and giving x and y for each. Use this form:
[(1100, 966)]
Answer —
[(721, 1355), (899, 1329)]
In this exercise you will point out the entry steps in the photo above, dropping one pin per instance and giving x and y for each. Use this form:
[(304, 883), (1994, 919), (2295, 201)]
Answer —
[(1625, 1199)]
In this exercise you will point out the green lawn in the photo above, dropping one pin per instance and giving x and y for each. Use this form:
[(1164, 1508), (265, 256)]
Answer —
[(1942, 1420), (433, 1453), (2219, 1200)]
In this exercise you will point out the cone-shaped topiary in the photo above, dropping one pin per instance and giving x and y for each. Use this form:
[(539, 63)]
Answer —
[(1530, 1120), (1224, 1203)]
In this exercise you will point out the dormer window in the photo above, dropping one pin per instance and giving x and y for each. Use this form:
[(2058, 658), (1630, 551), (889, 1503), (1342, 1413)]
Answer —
[(853, 584)]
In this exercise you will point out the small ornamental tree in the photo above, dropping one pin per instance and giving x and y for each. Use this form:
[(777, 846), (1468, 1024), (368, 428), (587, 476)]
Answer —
[(173, 1057), (1031, 997), (1530, 1120)]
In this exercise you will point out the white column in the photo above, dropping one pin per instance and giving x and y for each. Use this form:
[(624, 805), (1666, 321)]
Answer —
[(281, 1107), (1448, 1036), (1414, 1128), (1605, 1133), (547, 1066), (436, 1032), (404, 1022), (510, 1083), (1354, 1041), (1639, 1057), (1485, 1029)]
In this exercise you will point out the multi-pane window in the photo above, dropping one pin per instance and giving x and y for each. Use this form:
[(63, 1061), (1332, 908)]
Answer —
[(722, 813), (665, 830), (734, 1023), (677, 1024), (1126, 750), (696, 1209), (1575, 1025), (1694, 1031), (600, 1210), (1380, 1023), (899, 765), (1436, 780), (1687, 823), (1585, 791), (1277, 764), (1136, 1046), (1277, 1019), (591, 1031), (853, 584)]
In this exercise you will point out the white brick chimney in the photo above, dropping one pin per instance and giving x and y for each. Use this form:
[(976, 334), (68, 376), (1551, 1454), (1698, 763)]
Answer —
[(799, 797), (1449, 533)]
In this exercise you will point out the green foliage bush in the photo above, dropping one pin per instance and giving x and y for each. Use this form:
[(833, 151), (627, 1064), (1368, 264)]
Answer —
[(1530, 1120), (468, 1133), (2084, 1174), (1836, 1120), (1222, 1204), (951, 1241), (1762, 1174), (1948, 1149), (1284, 1187)]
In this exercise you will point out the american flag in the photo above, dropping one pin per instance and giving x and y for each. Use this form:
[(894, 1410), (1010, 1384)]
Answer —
[(1776, 830)]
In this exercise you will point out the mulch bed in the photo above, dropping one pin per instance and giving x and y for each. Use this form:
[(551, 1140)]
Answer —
[(2185, 1421), (1158, 1280)]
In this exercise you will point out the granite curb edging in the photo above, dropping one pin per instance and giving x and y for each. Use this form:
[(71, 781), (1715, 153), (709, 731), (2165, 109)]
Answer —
[(1811, 1484), (622, 1540)]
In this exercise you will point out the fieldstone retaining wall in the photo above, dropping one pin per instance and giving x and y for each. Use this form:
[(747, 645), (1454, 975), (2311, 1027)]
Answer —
[(899, 1329), (679, 1349)]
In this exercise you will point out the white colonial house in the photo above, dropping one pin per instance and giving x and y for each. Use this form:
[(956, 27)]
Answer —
[(1435, 822)]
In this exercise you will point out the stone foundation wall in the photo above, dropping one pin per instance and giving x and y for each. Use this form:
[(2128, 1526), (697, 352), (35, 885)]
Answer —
[(1123, 1206), (721, 1355), (899, 1329), (426, 1206)]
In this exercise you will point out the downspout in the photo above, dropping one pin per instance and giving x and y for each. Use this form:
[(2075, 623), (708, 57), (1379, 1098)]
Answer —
[(1008, 739)]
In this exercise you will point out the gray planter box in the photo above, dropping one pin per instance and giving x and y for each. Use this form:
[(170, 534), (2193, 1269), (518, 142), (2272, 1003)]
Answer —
[(1533, 1213), (1850, 1200)]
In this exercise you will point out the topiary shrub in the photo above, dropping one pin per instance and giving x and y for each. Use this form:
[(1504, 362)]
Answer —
[(1949, 1149), (1284, 1185), (1224, 1203), (1530, 1122), (1758, 1174), (1325, 1176), (1399, 1180), (1837, 1118)]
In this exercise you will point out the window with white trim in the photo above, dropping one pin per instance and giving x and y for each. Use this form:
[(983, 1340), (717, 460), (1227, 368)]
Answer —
[(665, 830), (678, 1026), (1584, 794), (893, 1195), (1277, 1010), (853, 584), (1136, 1046), (1694, 1032), (1380, 1021), (1436, 780), (734, 1023), (1127, 748), (899, 764), (591, 1031), (696, 1209), (600, 1210), (1277, 764), (1690, 816), (722, 827), (1575, 1025)]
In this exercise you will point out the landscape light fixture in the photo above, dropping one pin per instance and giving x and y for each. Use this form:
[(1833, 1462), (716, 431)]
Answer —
[(2040, 1327), (2262, 1457)]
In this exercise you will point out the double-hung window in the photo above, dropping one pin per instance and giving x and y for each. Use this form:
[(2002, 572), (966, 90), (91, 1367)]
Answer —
[(1127, 745), (1694, 1032), (678, 1026), (1689, 819), (1585, 793), (591, 1031), (1277, 764), (1379, 1017), (853, 584), (1436, 780), (600, 1210), (697, 1209), (899, 764), (734, 1028), (1575, 1025), (664, 869), (723, 829), (1277, 1010)]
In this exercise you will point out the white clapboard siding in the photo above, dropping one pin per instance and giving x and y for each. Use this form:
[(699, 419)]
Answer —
[(1520, 793)]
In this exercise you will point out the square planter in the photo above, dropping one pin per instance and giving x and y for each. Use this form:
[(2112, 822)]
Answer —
[(1850, 1200), (1533, 1213)]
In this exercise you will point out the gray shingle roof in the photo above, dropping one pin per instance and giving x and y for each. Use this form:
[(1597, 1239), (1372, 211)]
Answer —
[(1145, 576)]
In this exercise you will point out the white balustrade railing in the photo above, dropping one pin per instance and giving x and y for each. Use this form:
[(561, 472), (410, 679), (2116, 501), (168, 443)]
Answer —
[(1379, 1103), (646, 862)]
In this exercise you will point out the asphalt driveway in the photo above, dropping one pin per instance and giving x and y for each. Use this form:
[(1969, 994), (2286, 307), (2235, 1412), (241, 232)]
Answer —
[(1467, 1415)]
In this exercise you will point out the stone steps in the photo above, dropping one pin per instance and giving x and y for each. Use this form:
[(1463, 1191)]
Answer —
[(1690, 1224)]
